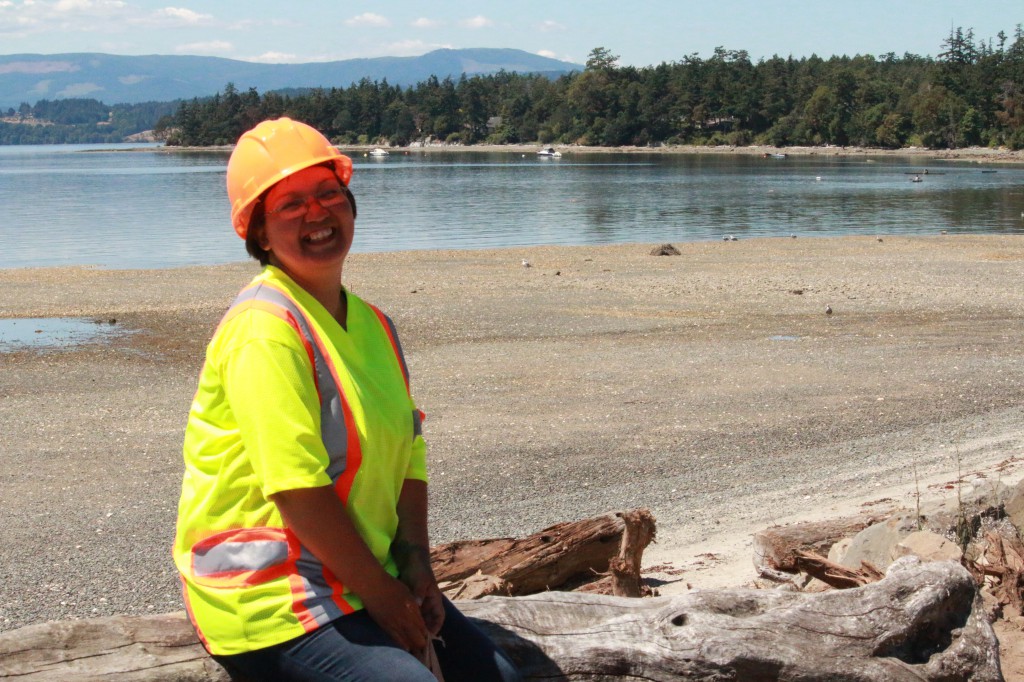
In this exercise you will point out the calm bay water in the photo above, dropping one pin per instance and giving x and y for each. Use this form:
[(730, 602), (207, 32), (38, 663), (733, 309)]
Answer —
[(99, 205)]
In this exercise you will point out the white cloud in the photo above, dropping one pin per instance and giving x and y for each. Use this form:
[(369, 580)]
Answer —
[(275, 58), (478, 21), (90, 6), (424, 22), (27, 17), (547, 53), (369, 20), (549, 26), (90, 16), (182, 15), (205, 46), (246, 24)]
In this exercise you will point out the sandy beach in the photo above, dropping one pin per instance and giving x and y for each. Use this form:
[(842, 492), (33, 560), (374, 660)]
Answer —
[(710, 387)]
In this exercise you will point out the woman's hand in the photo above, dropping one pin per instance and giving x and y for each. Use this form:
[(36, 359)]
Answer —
[(419, 577), (396, 609), (411, 550)]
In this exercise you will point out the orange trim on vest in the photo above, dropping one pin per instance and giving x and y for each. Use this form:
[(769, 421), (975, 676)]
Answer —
[(191, 616), (305, 618), (338, 593), (298, 586)]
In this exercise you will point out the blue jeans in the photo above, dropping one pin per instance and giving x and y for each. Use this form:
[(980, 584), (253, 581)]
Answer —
[(354, 648)]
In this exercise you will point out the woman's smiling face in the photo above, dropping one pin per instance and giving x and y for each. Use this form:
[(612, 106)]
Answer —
[(303, 236)]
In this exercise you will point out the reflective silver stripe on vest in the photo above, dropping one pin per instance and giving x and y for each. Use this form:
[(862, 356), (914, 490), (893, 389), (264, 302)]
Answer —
[(319, 595), (398, 346), (239, 556), (332, 418), (417, 416)]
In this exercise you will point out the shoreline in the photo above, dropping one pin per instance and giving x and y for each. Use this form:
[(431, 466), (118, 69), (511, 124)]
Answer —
[(975, 154), (709, 387)]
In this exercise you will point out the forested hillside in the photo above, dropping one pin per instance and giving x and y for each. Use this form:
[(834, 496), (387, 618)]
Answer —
[(971, 94), (67, 121)]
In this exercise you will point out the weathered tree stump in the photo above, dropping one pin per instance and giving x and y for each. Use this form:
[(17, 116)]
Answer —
[(922, 622), (624, 579)]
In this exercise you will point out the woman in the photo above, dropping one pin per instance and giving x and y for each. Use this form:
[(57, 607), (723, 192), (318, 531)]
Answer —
[(302, 528)]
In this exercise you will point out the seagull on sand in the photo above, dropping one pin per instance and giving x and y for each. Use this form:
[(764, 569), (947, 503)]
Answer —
[(526, 264), (828, 310)]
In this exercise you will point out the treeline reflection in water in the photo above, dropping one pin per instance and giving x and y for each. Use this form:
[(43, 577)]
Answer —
[(153, 209)]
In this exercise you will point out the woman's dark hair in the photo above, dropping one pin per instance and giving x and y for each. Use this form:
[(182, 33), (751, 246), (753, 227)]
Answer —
[(252, 242), (259, 218)]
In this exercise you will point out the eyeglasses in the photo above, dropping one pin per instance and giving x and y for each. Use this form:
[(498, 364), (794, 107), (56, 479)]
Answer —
[(299, 206)]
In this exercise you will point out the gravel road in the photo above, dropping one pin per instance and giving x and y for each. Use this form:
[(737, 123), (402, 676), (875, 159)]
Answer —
[(710, 387)]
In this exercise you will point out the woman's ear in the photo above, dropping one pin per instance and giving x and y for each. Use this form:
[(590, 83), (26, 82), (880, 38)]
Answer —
[(260, 234)]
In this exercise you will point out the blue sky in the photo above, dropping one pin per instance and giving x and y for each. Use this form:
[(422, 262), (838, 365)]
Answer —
[(642, 32)]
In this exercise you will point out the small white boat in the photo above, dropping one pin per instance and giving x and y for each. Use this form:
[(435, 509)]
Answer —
[(379, 152), (550, 152)]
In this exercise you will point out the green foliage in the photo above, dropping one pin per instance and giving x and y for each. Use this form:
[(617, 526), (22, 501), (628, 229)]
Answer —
[(601, 59), (73, 121)]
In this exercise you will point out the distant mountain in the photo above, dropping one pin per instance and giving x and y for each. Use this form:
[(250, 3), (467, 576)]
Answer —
[(116, 79)]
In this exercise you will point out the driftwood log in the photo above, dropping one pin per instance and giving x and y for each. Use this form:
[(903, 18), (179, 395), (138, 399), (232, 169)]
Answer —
[(837, 575), (161, 648), (922, 622), (563, 556), (777, 547)]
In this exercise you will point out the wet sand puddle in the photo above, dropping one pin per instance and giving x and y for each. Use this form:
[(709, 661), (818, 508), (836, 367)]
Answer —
[(55, 333)]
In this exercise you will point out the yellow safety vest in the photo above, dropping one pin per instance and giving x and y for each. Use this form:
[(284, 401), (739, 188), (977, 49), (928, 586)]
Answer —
[(288, 399)]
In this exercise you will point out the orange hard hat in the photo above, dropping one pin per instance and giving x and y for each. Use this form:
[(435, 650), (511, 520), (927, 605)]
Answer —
[(269, 153)]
